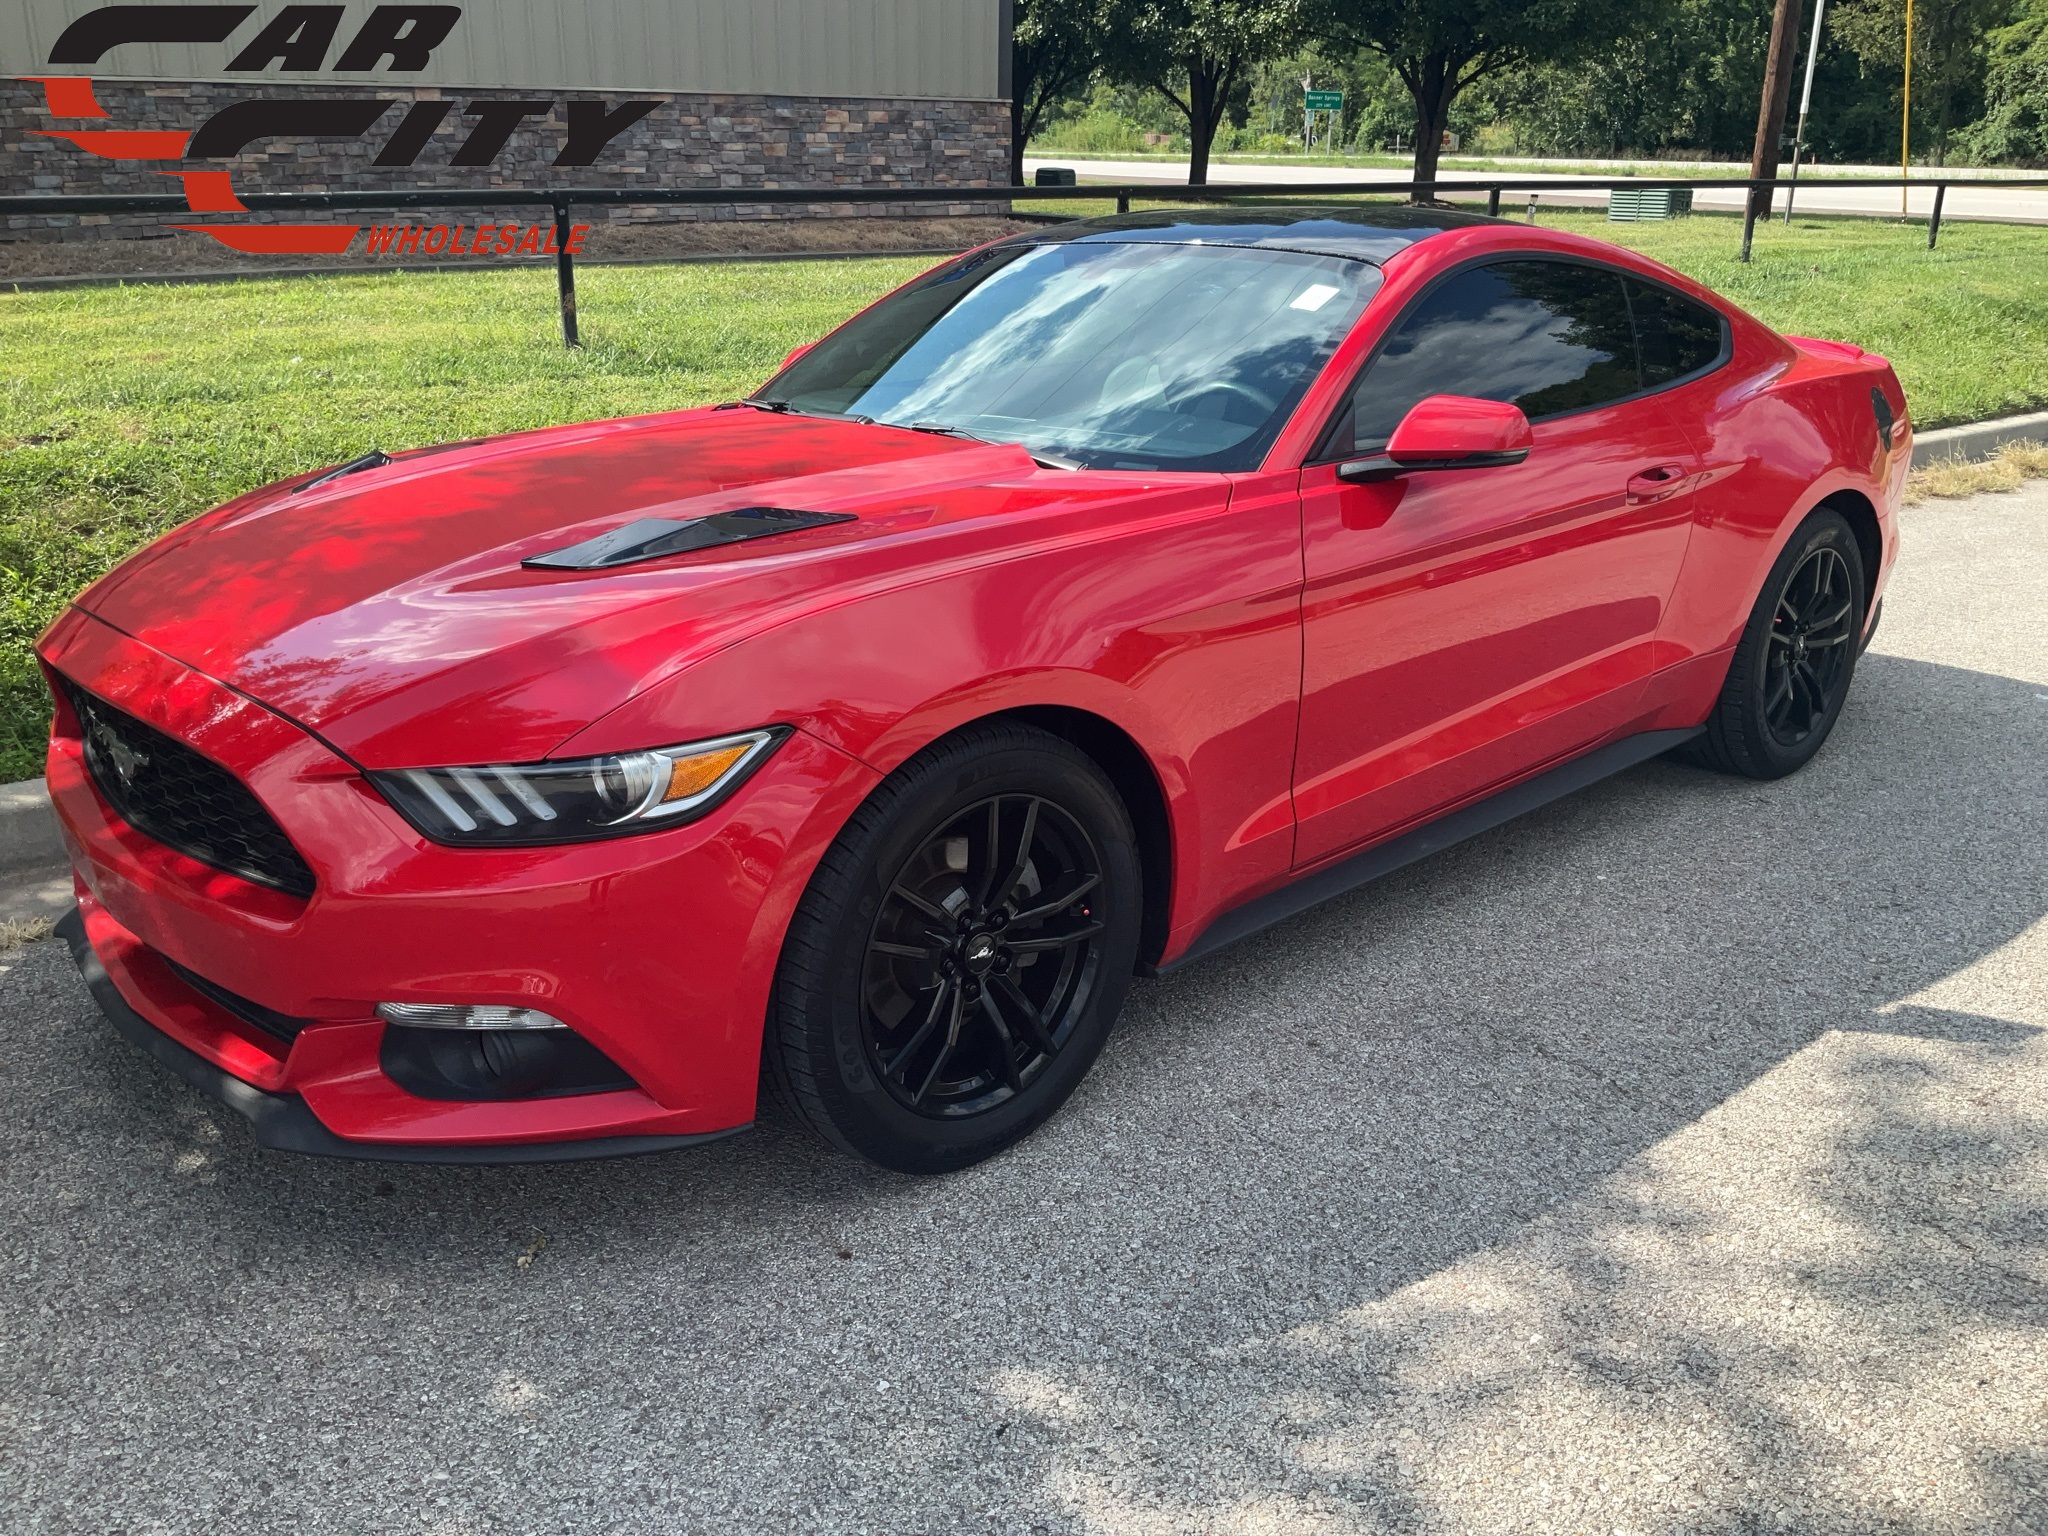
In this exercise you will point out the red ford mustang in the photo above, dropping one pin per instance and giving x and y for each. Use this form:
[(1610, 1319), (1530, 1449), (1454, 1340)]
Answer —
[(1086, 604)]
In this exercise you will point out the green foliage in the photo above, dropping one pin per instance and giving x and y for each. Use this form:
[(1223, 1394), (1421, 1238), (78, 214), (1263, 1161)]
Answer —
[(2014, 126), (124, 411), (1439, 48), (1687, 83), (1948, 57), (1195, 54), (1054, 46)]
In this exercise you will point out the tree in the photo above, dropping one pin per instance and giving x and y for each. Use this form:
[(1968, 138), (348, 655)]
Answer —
[(1054, 46), (1195, 53), (1948, 53), (2014, 126), (1440, 47)]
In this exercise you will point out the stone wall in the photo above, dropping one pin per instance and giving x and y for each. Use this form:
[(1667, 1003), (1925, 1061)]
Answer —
[(687, 141)]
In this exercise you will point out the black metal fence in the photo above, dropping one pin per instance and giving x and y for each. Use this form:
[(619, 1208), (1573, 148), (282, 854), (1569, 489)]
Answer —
[(560, 201)]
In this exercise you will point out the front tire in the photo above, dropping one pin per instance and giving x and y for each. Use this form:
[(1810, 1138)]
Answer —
[(960, 954), (1792, 667)]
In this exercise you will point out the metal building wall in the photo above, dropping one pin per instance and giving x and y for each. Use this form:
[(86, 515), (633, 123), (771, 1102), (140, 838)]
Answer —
[(933, 49)]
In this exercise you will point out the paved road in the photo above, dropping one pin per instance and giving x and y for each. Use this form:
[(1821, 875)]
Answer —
[(1674, 1160), (2020, 205)]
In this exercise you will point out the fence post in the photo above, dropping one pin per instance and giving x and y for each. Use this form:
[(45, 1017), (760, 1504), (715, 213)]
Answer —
[(1532, 207), (565, 276), (1934, 219), (1748, 219), (1493, 202), (1123, 202)]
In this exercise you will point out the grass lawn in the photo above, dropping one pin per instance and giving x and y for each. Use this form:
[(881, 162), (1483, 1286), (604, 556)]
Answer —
[(126, 410)]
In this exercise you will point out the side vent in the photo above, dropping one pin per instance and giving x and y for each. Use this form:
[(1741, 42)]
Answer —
[(652, 538), (1885, 419)]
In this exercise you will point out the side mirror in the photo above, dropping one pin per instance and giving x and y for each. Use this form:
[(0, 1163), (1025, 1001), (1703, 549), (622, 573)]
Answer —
[(1449, 432), (795, 353)]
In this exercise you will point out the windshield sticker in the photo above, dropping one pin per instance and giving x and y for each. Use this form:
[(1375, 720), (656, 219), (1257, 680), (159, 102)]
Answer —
[(1314, 296)]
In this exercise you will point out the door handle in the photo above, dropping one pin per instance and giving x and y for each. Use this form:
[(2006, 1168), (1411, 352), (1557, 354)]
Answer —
[(1655, 483)]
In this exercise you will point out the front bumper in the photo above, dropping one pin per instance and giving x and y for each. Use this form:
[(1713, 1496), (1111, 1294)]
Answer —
[(658, 950), (282, 1120)]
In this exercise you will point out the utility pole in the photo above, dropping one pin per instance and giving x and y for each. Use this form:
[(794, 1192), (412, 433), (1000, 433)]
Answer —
[(1770, 122), (1820, 9)]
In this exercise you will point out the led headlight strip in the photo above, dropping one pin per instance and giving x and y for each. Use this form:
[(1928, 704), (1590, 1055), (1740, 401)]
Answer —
[(578, 799)]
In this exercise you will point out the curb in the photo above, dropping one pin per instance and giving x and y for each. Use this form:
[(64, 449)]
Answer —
[(1980, 439), (28, 827)]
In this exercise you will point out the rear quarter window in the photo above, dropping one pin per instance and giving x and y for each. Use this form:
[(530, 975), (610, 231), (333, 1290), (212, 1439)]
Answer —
[(1677, 335)]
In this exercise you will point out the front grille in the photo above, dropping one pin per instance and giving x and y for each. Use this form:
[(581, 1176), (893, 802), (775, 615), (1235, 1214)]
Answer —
[(162, 788), (279, 1026)]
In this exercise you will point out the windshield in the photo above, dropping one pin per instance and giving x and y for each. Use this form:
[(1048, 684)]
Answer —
[(1139, 356)]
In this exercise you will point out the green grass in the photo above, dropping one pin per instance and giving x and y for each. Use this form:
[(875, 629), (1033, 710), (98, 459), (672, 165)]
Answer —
[(124, 411)]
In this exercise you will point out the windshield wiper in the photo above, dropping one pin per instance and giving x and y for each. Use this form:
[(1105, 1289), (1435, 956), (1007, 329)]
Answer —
[(777, 407), (1042, 459)]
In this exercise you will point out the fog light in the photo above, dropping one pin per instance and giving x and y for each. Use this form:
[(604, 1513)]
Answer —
[(465, 1016)]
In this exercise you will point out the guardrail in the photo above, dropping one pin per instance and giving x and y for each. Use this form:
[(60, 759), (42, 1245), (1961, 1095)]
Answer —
[(561, 200)]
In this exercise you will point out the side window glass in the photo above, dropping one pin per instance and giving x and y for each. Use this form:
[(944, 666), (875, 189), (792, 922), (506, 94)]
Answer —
[(1551, 336), (1678, 337)]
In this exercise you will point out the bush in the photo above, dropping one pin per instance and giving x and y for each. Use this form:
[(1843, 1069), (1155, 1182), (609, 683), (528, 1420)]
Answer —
[(1095, 133)]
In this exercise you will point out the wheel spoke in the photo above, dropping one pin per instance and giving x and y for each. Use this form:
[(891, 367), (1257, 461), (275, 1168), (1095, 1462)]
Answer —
[(1006, 1045), (1067, 893), (1779, 695), (929, 909), (1023, 1008), (1043, 942), (1817, 642), (945, 1051), (991, 855), (1023, 860), (1831, 620), (907, 951), (924, 1031)]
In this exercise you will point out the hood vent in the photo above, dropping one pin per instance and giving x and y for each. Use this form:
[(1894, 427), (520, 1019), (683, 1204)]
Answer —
[(652, 538)]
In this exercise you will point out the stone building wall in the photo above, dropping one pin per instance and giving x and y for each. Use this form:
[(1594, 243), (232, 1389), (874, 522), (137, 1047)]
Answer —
[(689, 140)]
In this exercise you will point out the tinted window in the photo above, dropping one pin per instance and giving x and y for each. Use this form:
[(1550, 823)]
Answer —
[(1120, 356), (1551, 336), (1677, 336)]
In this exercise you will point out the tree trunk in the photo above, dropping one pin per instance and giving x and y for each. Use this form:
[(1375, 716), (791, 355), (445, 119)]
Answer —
[(1431, 90), (1770, 121), (1208, 84), (1020, 135)]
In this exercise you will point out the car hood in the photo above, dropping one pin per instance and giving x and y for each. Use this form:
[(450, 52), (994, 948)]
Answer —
[(388, 612)]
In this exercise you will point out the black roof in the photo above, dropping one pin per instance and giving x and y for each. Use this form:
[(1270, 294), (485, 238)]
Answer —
[(1368, 232)]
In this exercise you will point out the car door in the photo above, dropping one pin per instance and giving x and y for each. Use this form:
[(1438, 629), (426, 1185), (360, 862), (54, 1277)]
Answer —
[(1462, 627)]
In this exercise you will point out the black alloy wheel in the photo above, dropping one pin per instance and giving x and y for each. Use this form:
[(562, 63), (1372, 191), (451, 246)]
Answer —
[(981, 961), (1793, 665), (961, 952), (1807, 657)]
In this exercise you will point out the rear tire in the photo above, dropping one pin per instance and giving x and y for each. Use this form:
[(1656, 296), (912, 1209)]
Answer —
[(1791, 670), (960, 954)]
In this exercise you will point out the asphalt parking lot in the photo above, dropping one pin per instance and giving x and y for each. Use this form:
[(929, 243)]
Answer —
[(1673, 1160)]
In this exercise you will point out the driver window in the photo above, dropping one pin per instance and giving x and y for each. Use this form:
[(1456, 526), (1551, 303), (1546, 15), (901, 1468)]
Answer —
[(1551, 336)]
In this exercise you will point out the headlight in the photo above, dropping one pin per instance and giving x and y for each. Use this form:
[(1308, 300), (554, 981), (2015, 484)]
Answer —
[(513, 805)]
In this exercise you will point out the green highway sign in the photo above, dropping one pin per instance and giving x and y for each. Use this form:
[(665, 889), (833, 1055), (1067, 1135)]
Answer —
[(1325, 101)]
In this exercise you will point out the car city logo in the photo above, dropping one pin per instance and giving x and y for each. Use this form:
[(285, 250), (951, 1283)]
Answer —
[(299, 38)]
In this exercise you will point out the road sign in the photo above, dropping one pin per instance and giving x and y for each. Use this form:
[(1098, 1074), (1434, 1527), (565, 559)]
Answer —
[(1324, 101)]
